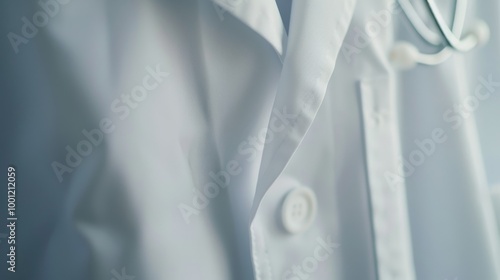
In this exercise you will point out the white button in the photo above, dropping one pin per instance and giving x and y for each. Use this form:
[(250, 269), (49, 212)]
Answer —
[(299, 209)]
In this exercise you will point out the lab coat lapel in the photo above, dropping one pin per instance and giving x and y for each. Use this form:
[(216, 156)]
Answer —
[(317, 30), (262, 16)]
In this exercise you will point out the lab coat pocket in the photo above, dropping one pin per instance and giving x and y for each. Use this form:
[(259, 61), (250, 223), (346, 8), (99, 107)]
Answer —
[(391, 231)]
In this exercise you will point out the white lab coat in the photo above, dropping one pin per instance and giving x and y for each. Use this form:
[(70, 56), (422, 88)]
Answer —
[(190, 181)]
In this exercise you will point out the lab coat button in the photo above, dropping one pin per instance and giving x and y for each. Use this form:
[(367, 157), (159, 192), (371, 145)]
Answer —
[(299, 209)]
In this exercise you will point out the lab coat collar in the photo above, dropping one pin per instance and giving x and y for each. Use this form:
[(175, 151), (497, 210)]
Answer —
[(263, 17), (317, 31)]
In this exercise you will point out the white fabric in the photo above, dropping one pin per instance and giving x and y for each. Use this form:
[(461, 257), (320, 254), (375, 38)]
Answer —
[(338, 116)]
